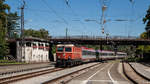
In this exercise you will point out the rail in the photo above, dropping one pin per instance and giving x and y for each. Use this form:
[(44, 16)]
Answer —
[(27, 75)]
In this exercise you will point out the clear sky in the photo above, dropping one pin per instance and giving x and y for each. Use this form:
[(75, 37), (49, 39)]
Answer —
[(56, 16)]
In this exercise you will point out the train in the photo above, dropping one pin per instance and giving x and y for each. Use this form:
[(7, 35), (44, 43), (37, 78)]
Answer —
[(68, 55)]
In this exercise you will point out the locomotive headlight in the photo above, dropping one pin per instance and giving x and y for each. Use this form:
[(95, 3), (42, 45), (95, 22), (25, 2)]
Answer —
[(58, 56), (69, 57), (63, 54)]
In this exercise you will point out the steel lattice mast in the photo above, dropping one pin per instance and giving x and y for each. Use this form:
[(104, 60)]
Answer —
[(103, 21)]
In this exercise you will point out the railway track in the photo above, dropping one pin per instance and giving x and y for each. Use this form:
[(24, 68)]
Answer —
[(133, 76), (28, 75), (21, 70), (128, 70), (68, 77)]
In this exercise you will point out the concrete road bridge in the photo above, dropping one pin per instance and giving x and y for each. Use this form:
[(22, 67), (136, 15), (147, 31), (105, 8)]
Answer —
[(116, 40), (88, 40)]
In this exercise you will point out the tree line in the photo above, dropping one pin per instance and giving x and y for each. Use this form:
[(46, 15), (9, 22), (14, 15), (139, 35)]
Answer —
[(10, 28), (144, 50)]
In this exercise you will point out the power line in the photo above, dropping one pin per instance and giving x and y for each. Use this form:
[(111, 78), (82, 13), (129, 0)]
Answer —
[(68, 5), (37, 10), (50, 8)]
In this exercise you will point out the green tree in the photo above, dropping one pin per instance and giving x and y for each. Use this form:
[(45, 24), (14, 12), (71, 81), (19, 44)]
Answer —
[(42, 33), (8, 27), (146, 21), (4, 9), (143, 50), (143, 35), (13, 25)]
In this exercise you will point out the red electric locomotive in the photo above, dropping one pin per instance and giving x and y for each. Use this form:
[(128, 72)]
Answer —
[(68, 55)]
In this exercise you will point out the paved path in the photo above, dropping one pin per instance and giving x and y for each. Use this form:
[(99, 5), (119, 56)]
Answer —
[(107, 73), (12, 68), (134, 76), (142, 69)]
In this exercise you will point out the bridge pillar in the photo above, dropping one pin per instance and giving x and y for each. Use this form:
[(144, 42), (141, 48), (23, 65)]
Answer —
[(101, 48), (97, 55), (51, 56), (115, 49), (136, 51), (133, 50)]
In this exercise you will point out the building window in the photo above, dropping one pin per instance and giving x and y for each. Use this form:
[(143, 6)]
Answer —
[(34, 45), (41, 46), (28, 44), (21, 44), (47, 46)]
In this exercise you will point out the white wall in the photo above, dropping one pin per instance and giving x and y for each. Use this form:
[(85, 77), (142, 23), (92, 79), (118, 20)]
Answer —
[(30, 54)]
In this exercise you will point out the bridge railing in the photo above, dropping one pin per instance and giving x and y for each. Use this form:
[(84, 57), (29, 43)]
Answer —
[(94, 37)]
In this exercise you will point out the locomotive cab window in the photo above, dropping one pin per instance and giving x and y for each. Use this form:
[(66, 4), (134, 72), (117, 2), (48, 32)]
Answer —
[(60, 49), (68, 49)]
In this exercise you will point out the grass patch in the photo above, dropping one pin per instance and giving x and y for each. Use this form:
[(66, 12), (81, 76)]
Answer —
[(133, 59), (10, 62)]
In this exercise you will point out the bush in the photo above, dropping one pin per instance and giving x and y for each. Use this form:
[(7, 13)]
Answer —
[(133, 59)]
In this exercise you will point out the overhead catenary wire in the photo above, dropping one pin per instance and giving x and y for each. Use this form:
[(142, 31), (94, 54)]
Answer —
[(51, 9), (35, 14), (68, 5), (37, 10)]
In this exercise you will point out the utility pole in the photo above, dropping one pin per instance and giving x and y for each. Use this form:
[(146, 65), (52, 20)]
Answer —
[(22, 20), (22, 29)]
